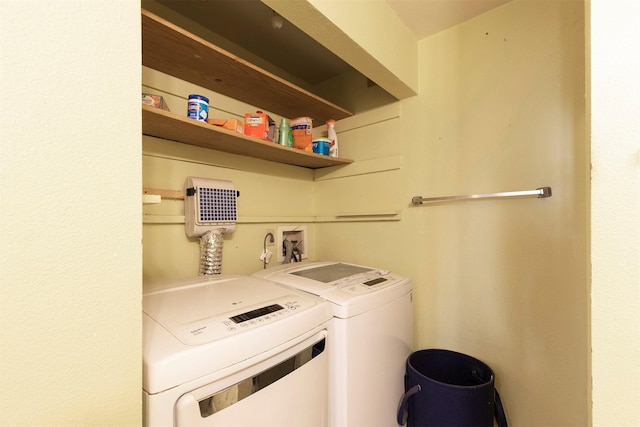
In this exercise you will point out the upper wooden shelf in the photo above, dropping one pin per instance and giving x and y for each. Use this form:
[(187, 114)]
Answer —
[(167, 125), (174, 51)]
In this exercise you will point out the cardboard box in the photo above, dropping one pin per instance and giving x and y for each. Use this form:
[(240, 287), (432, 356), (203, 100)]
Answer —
[(260, 125), (154, 101), (231, 124)]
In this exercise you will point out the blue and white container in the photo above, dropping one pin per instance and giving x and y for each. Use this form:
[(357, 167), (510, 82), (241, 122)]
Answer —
[(321, 146), (198, 107)]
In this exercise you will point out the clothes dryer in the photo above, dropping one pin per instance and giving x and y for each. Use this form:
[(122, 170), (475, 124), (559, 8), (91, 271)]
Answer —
[(234, 351), (371, 336)]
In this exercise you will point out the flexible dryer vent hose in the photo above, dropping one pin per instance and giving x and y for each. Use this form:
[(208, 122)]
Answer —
[(211, 253)]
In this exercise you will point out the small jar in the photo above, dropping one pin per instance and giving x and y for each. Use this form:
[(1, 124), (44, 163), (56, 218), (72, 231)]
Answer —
[(198, 107)]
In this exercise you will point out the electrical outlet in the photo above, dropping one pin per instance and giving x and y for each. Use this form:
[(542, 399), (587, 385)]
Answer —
[(297, 236)]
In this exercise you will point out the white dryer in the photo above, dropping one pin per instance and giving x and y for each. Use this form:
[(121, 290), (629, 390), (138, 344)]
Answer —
[(371, 336), (234, 351)]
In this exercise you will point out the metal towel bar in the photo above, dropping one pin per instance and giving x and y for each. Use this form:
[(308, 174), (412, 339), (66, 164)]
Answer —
[(540, 193)]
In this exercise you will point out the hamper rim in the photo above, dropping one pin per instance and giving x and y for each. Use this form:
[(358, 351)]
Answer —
[(466, 387)]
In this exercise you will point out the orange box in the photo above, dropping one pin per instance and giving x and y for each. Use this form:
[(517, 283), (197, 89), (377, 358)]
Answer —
[(259, 125), (301, 129), (231, 124), (154, 101)]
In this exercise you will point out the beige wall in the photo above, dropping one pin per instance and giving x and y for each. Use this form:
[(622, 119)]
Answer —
[(70, 302), (270, 194), (70, 165), (501, 108)]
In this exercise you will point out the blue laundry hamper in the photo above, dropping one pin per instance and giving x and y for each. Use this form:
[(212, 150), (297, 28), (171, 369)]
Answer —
[(446, 388)]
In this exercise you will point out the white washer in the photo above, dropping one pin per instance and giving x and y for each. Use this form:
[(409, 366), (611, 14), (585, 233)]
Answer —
[(234, 351), (371, 336)]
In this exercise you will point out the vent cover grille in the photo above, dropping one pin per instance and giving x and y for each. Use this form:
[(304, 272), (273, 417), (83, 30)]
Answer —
[(210, 205)]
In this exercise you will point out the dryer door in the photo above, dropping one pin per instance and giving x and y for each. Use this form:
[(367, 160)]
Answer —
[(287, 389)]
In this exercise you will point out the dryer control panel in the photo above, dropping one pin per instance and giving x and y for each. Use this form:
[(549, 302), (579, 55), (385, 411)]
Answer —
[(216, 327), (261, 315)]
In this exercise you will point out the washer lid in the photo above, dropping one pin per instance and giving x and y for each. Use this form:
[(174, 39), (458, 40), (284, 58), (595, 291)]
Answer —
[(346, 285), (327, 273)]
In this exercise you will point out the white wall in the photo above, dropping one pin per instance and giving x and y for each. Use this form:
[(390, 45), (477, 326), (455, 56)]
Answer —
[(70, 203), (615, 201)]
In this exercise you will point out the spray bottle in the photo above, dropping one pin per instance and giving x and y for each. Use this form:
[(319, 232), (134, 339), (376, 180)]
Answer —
[(331, 134)]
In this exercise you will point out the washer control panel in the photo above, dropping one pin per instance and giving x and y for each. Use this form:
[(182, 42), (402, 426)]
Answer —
[(370, 281)]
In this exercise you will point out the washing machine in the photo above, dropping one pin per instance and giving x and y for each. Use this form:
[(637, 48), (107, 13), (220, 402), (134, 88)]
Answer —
[(371, 336), (234, 351)]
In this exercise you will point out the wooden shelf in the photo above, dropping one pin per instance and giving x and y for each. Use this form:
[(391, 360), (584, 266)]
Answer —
[(174, 51), (174, 127)]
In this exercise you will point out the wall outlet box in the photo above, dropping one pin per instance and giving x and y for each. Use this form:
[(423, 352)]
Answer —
[(297, 236)]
